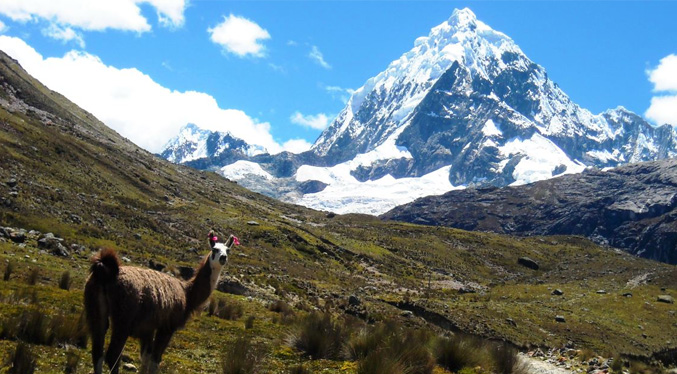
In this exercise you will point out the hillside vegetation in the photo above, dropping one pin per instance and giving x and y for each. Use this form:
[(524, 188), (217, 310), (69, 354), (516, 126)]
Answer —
[(63, 172)]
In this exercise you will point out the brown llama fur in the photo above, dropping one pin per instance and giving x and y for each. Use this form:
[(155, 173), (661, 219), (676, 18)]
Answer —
[(143, 303)]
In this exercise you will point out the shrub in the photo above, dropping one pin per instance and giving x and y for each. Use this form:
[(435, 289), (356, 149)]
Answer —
[(22, 360), (65, 281), (319, 336), (8, 271), (241, 357)]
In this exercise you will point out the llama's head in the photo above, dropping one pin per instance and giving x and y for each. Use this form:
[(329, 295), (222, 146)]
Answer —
[(219, 255)]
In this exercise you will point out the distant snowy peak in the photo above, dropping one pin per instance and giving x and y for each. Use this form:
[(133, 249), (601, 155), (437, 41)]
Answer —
[(386, 101), (193, 143)]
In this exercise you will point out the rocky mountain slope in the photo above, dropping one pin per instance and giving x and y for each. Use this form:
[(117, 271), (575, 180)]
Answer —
[(72, 183), (632, 207), (464, 107)]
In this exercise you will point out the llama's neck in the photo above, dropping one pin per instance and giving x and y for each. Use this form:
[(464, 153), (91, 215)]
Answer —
[(200, 287)]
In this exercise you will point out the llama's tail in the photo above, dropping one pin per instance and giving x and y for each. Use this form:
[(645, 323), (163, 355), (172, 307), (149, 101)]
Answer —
[(105, 266)]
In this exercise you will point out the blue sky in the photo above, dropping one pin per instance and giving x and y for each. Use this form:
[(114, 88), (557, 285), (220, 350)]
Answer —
[(276, 72)]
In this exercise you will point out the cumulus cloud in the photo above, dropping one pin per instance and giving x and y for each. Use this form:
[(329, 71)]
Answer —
[(340, 93), (65, 34), (317, 121), (95, 15), (131, 103), (663, 108), (318, 57), (239, 36), (3, 27), (297, 145)]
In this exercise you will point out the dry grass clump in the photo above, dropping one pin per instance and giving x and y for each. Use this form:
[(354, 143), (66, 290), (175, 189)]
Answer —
[(22, 361), (224, 309), (9, 269), (241, 357), (319, 336), (35, 326), (392, 348), (65, 282)]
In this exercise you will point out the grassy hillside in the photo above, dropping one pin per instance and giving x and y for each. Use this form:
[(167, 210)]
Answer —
[(63, 172)]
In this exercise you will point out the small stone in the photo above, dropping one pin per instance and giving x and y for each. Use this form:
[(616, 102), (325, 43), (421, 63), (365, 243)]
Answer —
[(253, 223), (558, 292), (627, 294), (560, 319), (407, 314), (12, 182), (354, 300), (511, 322), (601, 292), (137, 236), (666, 299), (59, 250), (126, 259), (129, 367)]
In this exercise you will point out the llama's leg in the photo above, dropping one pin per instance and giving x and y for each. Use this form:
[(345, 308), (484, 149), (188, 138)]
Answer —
[(146, 351), (97, 319), (114, 352), (162, 338)]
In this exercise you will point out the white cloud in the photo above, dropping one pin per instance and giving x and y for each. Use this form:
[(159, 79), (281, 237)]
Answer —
[(131, 103), (296, 145), (663, 108), (317, 56), (317, 121), (64, 34), (95, 15), (239, 36), (340, 93), (3, 27)]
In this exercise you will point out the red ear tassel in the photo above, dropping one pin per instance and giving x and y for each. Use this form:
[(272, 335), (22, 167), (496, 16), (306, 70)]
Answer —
[(236, 241)]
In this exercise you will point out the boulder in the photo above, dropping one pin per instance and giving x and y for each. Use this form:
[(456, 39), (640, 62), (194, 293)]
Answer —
[(557, 292), (666, 299), (527, 262), (560, 319), (354, 300)]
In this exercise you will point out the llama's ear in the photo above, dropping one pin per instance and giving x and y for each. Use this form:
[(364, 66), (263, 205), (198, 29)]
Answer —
[(212, 238), (229, 242)]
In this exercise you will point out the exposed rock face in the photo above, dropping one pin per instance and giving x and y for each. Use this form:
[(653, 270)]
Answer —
[(632, 207)]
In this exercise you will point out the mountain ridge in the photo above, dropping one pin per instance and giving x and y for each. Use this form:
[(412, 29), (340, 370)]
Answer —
[(465, 101)]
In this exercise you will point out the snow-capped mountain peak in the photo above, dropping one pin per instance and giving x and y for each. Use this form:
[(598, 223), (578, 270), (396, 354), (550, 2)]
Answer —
[(404, 83), (193, 143), (464, 107)]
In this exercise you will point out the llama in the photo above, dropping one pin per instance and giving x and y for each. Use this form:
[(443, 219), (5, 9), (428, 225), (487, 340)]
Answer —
[(145, 304)]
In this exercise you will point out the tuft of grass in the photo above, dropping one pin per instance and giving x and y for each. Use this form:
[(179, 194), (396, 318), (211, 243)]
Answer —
[(224, 309), (72, 361), (36, 327), (241, 357), (392, 348), (319, 336), (505, 359), (9, 269), (458, 352), (22, 361), (65, 281), (33, 276), (249, 323), (300, 369)]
